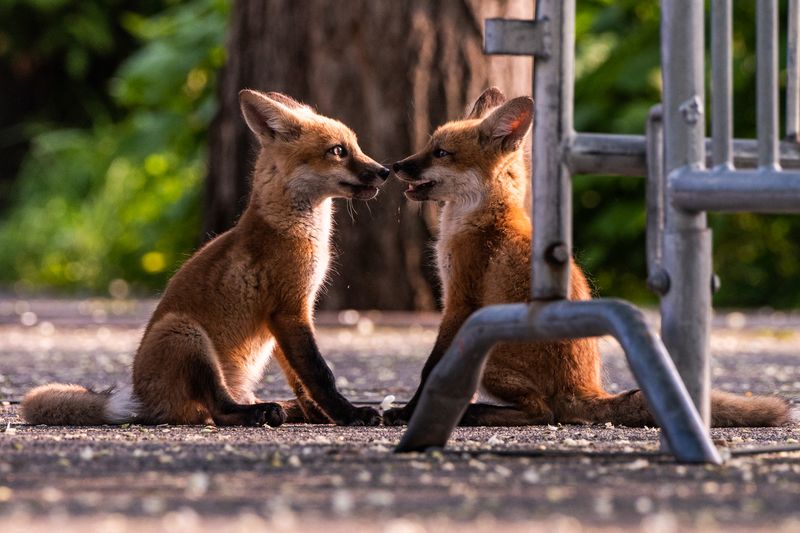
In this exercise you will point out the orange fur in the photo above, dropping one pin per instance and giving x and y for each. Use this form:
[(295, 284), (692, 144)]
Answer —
[(245, 294), (477, 168)]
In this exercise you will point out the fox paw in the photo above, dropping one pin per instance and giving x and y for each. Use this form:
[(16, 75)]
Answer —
[(269, 413), (363, 416), (397, 416)]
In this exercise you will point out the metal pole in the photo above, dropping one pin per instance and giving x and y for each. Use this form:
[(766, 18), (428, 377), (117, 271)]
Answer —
[(552, 131), (745, 154), (657, 279), (793, 72), (731, 191), (626, 155), (721, 93), (686, 307), (767, 83), (455, 379), (607, 153)]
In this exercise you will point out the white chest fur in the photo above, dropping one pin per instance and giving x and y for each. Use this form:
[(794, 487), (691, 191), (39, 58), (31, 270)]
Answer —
[(455, 219), (241, 380), (443, 261), (321, 236), (258, 364)]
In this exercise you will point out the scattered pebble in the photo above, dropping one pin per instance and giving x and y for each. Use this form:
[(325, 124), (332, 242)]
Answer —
[(387, 402), (342, 502), (86, 454), (494, 440), (531, 476)]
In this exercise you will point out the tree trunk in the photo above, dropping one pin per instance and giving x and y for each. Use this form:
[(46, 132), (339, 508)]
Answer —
[(392, 71)]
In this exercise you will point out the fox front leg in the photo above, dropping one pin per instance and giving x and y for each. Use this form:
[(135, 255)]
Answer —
[(451, 323), (296, 339)]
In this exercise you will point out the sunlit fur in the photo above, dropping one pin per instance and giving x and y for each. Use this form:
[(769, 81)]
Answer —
[(245, 297), (483, 255)]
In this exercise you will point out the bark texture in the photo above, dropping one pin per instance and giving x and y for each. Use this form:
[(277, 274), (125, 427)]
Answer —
[(392, 71)]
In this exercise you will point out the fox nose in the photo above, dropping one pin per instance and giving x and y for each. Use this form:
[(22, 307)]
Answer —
[(408, 167), (369, 175)]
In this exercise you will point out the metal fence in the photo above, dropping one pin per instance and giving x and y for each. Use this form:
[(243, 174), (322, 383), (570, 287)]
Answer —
[(745, 175)]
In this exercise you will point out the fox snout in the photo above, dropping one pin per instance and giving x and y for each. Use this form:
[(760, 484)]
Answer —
[(373, 174), (370, 175), (410, 170)]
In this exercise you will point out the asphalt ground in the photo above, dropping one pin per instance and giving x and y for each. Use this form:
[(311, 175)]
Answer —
[(314, 478)]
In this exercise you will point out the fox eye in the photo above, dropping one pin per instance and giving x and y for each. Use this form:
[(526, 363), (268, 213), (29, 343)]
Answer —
[(438, 153), (338, 151)]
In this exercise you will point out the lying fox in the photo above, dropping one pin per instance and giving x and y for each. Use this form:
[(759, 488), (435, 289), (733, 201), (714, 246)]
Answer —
[(477, 168), (216, 326)]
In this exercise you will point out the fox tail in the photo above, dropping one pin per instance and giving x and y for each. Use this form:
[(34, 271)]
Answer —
[(59, 404), (727, 410)]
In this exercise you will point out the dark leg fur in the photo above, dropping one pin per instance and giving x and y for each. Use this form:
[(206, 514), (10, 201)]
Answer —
[(296, 340), (256, 414), (298, 413), (308, 412), (450, 325), (208, 386)]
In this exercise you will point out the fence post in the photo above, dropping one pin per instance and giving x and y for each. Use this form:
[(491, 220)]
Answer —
[(686, 306), (552, 134)]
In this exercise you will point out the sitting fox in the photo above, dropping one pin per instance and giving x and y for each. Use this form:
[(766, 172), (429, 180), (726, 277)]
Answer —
[(246, 296), (477, 168)]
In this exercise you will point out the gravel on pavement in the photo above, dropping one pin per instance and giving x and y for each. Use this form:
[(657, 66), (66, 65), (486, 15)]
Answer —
[(314, 478)]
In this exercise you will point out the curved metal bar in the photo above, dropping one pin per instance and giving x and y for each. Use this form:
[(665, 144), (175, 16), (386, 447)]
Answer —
[(455, 379)]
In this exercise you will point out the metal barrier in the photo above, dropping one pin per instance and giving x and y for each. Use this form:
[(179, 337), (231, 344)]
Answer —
[(681, 269), (556, 150), (680, 190)]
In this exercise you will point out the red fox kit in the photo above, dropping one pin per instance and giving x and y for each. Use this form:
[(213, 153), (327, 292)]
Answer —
[(246, 296), (477, 168)]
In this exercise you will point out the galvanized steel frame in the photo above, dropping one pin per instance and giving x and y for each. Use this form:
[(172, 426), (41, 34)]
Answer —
[(455, 378), (690, 189), (557, 152), (680, 191)]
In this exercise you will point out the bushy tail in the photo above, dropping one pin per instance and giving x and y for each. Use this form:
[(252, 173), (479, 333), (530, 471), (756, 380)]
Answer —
[(58, 404), (727, 410), (731, 410)]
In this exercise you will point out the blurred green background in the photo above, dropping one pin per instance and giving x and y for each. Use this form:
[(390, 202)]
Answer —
[(111, 188), (103, 170)]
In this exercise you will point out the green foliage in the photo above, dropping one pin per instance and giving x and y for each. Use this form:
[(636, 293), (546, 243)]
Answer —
[(60, 54), (618, 79), (121, 199), (116, 194)]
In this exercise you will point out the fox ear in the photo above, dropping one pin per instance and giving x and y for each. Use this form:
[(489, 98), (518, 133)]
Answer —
[(288, 101), (491, 97), (509, 123), (268, 118)]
